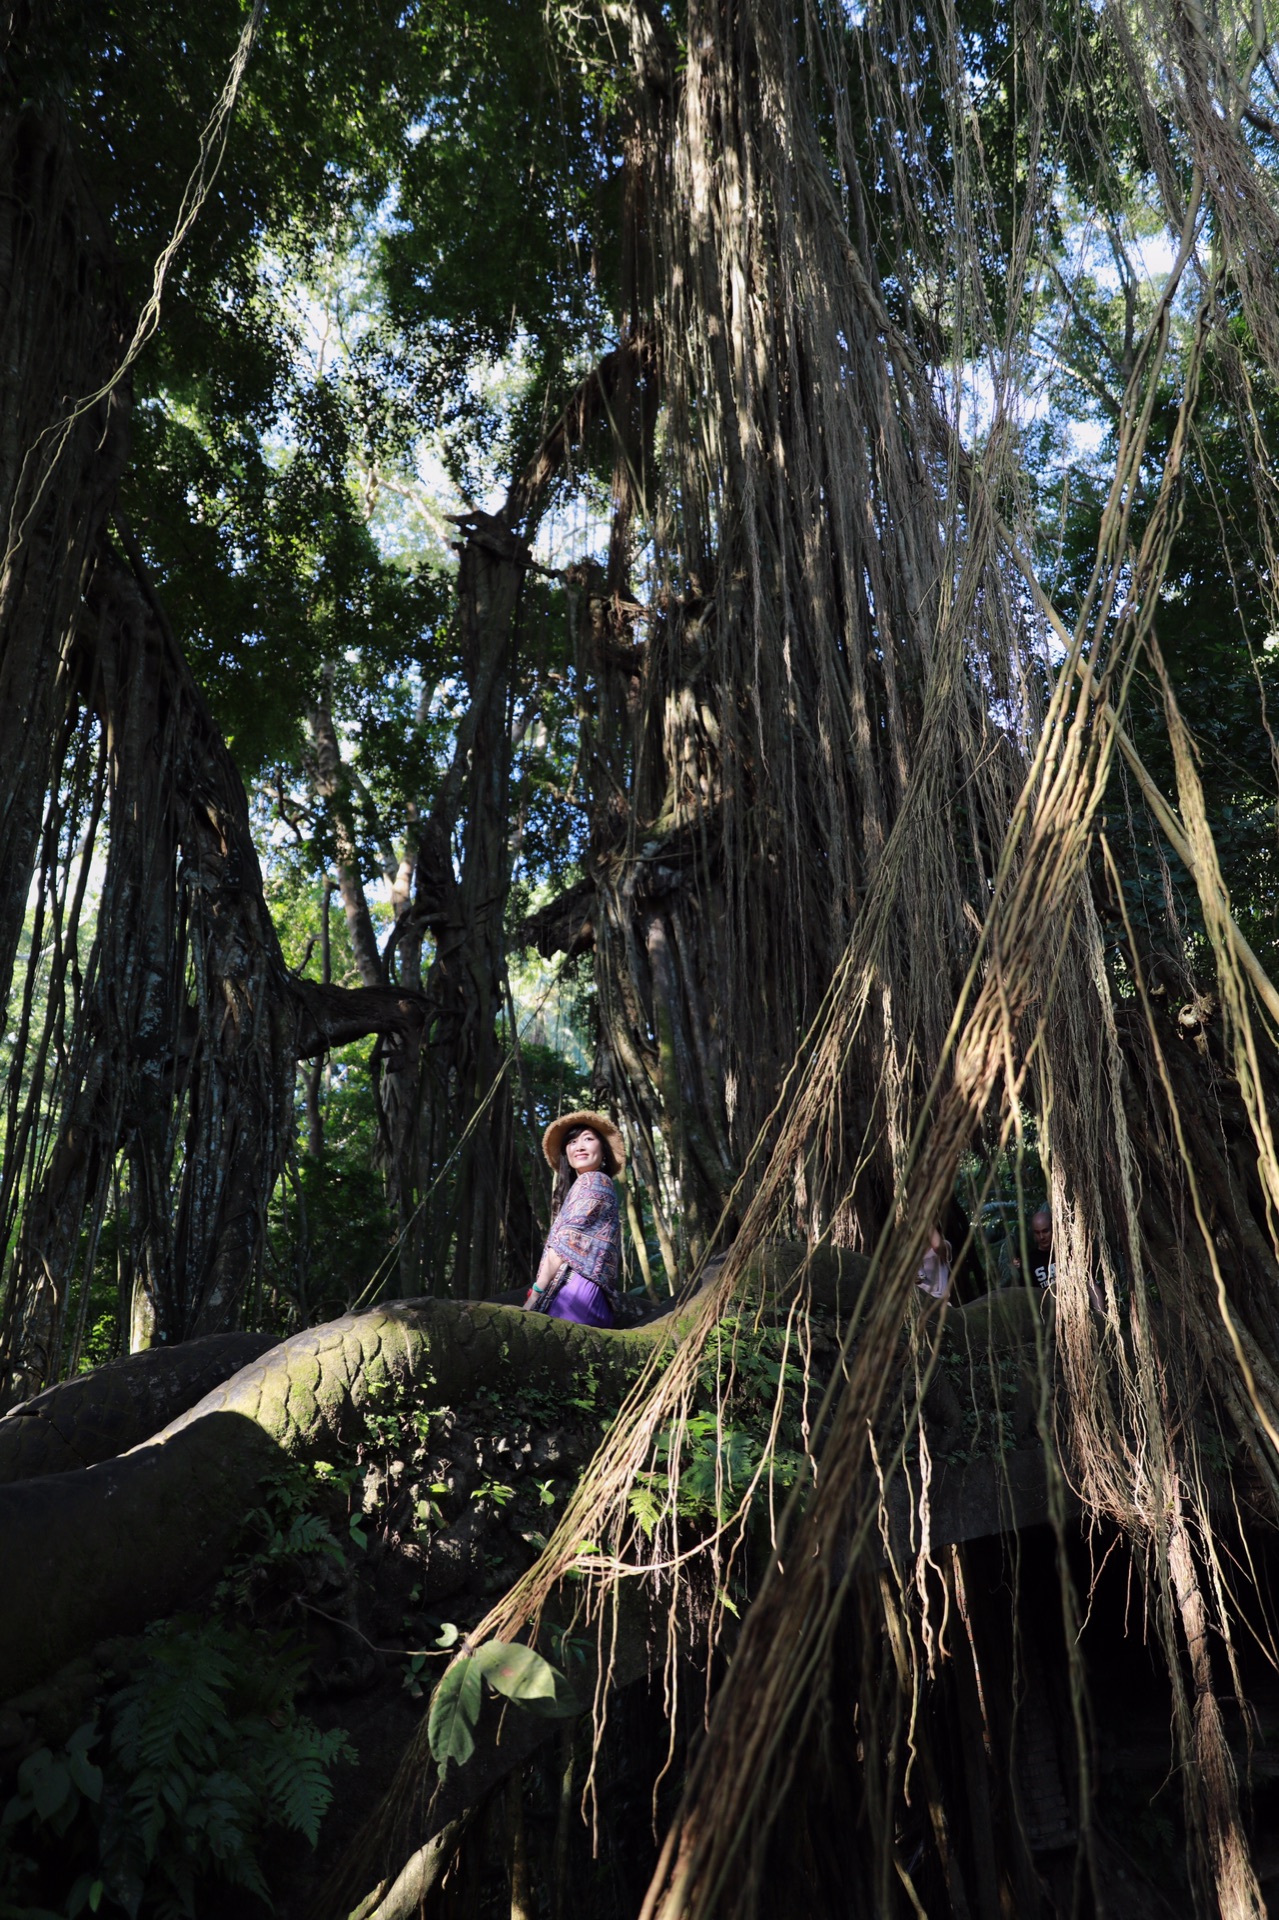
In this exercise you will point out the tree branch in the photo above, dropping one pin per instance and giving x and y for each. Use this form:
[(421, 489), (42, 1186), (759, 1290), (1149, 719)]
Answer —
[(331, 1016), (565, 924)]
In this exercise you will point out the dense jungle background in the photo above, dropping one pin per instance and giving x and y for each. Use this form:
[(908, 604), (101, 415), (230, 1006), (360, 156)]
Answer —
[(714, 562)]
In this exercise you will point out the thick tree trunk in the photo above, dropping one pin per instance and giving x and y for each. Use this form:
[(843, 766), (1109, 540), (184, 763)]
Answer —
[(61, 336), (118, 1083), (188, 1028), (185, 1028), (184, 1047), (653, 911)]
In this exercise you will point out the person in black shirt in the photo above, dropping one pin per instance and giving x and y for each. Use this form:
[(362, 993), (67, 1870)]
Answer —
[(1039, 1245), (1043, 1270)]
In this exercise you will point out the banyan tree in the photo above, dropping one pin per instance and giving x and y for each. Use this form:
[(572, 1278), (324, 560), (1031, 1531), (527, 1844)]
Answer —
[(898, 849)]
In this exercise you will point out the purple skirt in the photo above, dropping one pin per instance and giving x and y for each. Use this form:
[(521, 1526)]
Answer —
[(581, 1300)]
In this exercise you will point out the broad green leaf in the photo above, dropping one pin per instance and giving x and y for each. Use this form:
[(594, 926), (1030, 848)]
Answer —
[(49, 1787), (86, 1776), (520, 1674), (87, 1892), (564, 1706), (455, 1708), (517, 1672)]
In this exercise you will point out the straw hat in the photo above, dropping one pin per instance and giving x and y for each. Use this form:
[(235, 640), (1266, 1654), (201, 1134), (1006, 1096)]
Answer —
[(553, 1138)]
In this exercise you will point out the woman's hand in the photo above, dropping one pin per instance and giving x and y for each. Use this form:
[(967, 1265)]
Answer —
[(552, 1263)]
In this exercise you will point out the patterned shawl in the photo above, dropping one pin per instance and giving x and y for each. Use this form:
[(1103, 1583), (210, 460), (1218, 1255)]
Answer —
[(587, 1231)]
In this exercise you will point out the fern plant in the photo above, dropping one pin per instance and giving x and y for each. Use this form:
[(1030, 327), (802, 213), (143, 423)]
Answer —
[(214, 1753), (205, 1754), (288, 1532)]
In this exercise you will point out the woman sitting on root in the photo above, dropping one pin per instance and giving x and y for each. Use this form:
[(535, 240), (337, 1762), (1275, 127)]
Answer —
[(577, 1278)]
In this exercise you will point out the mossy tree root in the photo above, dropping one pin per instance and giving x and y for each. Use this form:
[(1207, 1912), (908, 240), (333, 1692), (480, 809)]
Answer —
[(98, 1415), (100, 1550), (103, 1549)]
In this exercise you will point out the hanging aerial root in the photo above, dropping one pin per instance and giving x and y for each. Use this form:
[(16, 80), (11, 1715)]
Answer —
[(1007, 1015)]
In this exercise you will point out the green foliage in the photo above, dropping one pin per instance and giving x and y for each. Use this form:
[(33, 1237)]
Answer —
[(511, 146), (291, 1527), (725, 1441), (644, 1507), (516, 1672), (1215, 621), (388, 1424), (455, 1709), (495, 1490), (330, 1227), (51, 1786), (202, 1756), (214, 1755), (340, 305), (239, 485), (102, 1334), (54, 1792), (520, 1674)]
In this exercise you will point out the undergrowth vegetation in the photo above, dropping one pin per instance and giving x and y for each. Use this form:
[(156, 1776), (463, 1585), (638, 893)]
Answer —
[(203, 1745), (192, 1758)]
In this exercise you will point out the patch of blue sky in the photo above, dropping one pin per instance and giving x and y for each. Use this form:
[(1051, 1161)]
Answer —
[(1092, 249), (978, 393)]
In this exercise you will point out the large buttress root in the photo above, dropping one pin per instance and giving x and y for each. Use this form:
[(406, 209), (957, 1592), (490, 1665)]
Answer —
[(103, 1549), (101, 1414), (100, 1549)]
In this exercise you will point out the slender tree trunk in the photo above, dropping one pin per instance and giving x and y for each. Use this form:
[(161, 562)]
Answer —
[(466, 1217), (316, 1068), (466, 1109), (333, 784), (523, 1905)]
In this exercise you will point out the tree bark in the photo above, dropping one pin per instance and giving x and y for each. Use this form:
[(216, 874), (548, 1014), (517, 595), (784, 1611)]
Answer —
[(62, 334), (652, 909), (474, 1232), (155, 1525), (467, 1222), (185, 1028), (333, 784), (183, 1052), (189, 1027)]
